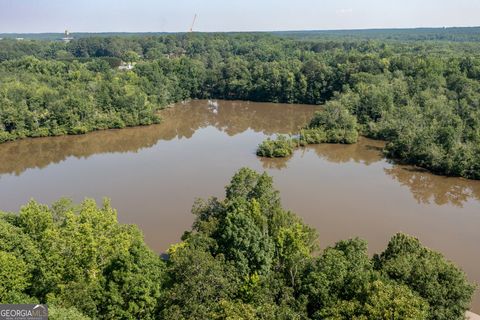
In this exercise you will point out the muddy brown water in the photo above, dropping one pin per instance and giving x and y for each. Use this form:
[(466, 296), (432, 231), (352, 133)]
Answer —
[(153, 174)]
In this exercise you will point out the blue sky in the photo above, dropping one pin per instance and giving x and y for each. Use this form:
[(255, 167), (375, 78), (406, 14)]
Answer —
[(232, 15)]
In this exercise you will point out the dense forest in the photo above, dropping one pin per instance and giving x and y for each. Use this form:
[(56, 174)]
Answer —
[(423, 97), (455, 34), (244, 258)]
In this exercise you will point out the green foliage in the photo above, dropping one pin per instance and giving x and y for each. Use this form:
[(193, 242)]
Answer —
[(343, 285), (198, 283), (273, 273), (243, 237), (14, 278), (339, 276), (250, 228), (337, 123), (280, 147), (420, 96), (334, 124), (392, 301), (59, 313), (131, 56), (250, 235), (245, 258), (81, 258), (312, 136), (41, 98), (435, 279), (295, 245)]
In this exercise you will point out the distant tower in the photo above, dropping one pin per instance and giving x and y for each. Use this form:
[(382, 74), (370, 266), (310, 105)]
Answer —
[(67, 38)]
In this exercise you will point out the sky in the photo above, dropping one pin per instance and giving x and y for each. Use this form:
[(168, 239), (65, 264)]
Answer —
[(24, 16)]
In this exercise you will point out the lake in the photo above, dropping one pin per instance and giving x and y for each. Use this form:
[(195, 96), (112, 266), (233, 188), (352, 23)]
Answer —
[(153, 175)]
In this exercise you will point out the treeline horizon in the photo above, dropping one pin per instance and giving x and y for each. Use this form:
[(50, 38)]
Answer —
[(452, 33)]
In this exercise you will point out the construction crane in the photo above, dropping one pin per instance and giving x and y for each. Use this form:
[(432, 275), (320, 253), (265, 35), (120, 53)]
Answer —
[(193, 22)]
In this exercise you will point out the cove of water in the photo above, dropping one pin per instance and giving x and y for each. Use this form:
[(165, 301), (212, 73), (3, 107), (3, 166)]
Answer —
[(153, 175)]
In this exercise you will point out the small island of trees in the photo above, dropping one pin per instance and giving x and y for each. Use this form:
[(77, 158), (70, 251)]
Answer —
[(334, 124)]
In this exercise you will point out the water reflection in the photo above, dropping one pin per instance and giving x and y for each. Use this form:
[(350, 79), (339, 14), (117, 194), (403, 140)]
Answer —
[(275, 163), (231, 117), (234, 117), (427, 188), (366, 151), (18, 156), (152, 174)]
